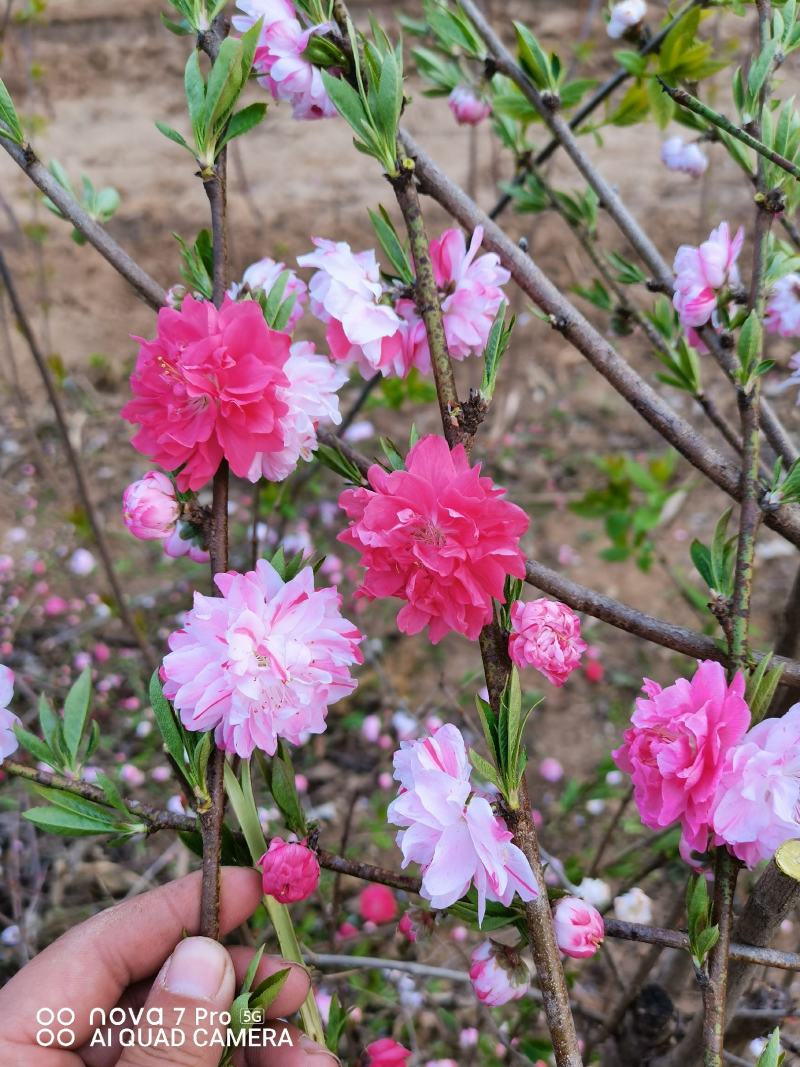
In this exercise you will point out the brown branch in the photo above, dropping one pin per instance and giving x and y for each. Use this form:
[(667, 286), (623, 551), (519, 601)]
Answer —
[(75, 463)]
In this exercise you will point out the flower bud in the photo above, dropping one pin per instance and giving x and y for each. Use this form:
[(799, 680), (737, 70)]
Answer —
[(150, 508), (468, 108), (625, 16), (387, 1052), (289, 870), (546, 634), (579, 927), (377, 904), (498, 974)]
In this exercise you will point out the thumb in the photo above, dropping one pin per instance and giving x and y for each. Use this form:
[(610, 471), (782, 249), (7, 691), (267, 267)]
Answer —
[(180, 1023)]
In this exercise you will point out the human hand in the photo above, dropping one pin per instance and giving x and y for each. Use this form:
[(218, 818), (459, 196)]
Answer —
[(111, 960)]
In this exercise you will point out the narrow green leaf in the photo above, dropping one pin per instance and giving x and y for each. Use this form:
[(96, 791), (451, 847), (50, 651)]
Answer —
[(265, 992), (242, 122), (38, 749), (76, 711), (173, 135), (171, 732), (485, 769), (195, 88), (10, 125), (68, 824)]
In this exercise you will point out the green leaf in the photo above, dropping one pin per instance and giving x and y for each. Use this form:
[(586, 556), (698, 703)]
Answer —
[(761, 687), (347, 102), (284, 791), (242, 122), (266, 992), (245, 810), (485, 769), (76, 711), (51, 727), (68, 824), (772, 1056), (337, 1018), (533, 59), (224, 84), (10, 125), (38, 749), (173, 135), (196, 98), (171, 732), (391, 245), (75, 804)]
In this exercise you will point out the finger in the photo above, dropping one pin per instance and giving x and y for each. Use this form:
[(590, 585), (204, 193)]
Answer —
[(92, 964), (287, 1047), (181, 1021)]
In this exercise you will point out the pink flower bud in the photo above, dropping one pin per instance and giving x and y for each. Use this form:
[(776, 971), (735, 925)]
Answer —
[(686, 158), (371, 728), (579, 927), (150, 508), (290, 870), (468, 108), (498, 974), (347, 932), (546, 635), (377, 904), (406, 928), (386, 1053), (551, 770)]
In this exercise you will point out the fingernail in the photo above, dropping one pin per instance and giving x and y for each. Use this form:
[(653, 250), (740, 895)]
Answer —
[(316, 1055), (196, 968)]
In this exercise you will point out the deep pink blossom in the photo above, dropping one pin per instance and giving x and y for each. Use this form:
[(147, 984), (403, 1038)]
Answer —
[(579, 927), (498, 974), (262, 276), (387, 1052), (757, 806), (311, 397), (782, 314), (471, 285), (700, 273), (438, 536), (150, 508), (206, 389), (377, 904), (676, 748), (262, 661), (454, 836), (676, 154), (469, 109), (289, 871), (8, 720), (546, 634)]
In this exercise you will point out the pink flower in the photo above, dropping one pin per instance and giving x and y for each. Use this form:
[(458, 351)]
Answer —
[(468, 108), (438, 536), (176, 545), (289, 871), (206, 389), (262, 661), (701, 272), (551, 770), (546, 635), (377, 904), (262, 275), (279, 57), (347, 294), (579, 927), (758, 798), (676, 748), (498, 974), (455, 838), (132, 775), (687, 158), (150, 508), (311, 397), (783, 307), (625, 16), (387, 1053), (472, 298), (407, 927), (8, 720)]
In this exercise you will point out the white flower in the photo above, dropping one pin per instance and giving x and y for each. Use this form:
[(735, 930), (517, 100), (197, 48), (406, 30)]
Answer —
[(594, 891), (624, 16), (635, 906)]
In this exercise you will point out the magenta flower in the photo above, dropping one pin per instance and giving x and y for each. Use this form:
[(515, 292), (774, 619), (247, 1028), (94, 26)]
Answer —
[(498, 974), (472, 297), (546, 634), (783, 307), (8, 720), (438, 536), (468, 108), (677, 745), (377, 904), (150, 508), (262, 661), (262, 275), (206, 389), (757, 805), (454, 836), (387, 1052), (289, 871), (686, 158), (579, 927), (311, 397), (701, 272)]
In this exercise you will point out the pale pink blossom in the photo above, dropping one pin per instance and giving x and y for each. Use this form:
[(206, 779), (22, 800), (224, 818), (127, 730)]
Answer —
[(676, 154), (289, 871), (262, 275), (469, 109), (454, 836), (377, 904), (625, 16), (757, 805), (635, 906), (262, 661), (498, 974), (132, 775), (676, 747), (150, 508), (579, 927), (546, 634), (782, 315), (8, 720), (438, 536), (176, 545), (82, 562), (387, 1052), (279, 58), (371, 728), (700, 273), (347, 295), (471, 285), (551, 770), (311, 397), (206, 389)]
